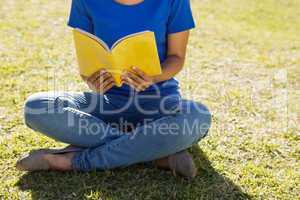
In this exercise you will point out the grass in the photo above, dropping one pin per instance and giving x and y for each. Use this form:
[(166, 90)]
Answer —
[(243, 62)]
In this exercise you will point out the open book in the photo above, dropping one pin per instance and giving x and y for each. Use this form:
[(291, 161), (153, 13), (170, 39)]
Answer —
[(136, 50)]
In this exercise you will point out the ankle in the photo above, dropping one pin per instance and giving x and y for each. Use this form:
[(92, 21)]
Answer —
[(162, 163)]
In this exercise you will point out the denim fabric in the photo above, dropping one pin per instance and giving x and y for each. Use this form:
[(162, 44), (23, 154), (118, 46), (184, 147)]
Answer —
[(115, 130)]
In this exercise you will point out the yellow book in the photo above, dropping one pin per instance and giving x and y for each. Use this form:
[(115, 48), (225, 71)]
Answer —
[(135, 50)]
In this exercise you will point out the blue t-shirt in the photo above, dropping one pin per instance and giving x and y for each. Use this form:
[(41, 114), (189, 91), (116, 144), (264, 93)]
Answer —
[(110, 21)]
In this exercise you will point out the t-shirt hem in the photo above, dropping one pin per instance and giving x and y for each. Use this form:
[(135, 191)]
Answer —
[(178, 30), (77, 25)]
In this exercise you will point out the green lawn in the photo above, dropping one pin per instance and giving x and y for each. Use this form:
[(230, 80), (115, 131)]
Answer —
[(243, 62)]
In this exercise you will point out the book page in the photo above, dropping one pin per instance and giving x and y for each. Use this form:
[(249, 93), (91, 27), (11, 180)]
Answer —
[(138, 50), (101, 42), (91, 55), (128, 36)]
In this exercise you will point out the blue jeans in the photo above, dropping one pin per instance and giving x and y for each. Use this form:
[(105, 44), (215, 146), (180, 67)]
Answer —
[(115, 130)]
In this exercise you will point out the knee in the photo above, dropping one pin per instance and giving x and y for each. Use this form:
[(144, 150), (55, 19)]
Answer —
[(198, 119), (33, 106), (204, 116), (36, 101)]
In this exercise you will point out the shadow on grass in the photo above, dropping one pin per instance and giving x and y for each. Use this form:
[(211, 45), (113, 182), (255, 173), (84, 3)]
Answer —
[(137, 182)]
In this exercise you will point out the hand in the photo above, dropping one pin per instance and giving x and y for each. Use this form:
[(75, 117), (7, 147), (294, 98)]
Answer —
[(137, 79), (100, 81)]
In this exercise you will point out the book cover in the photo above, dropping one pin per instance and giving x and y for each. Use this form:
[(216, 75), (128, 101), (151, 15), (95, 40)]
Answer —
[(138, 50)]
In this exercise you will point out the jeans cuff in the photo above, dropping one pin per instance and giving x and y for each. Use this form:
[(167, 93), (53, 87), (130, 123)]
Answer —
[(77, 163)]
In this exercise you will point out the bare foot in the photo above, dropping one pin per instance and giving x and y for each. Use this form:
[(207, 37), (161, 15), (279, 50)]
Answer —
[(181, 163), (60, 162)]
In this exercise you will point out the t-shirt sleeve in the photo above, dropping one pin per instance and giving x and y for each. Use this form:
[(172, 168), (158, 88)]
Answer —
[(79, 17), (181, 17)]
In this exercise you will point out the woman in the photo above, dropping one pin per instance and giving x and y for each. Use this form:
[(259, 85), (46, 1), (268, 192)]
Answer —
[(144, 120)]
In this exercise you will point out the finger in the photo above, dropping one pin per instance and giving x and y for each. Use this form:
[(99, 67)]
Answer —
[(103, 83), (95, 76), (137, 86), (141, 74), (138, 72), (101, 88), (129, 82), (108, 82), (106, 87), (135, 77), (142, 84), (99, 82), (102, 78), (109, 86)]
